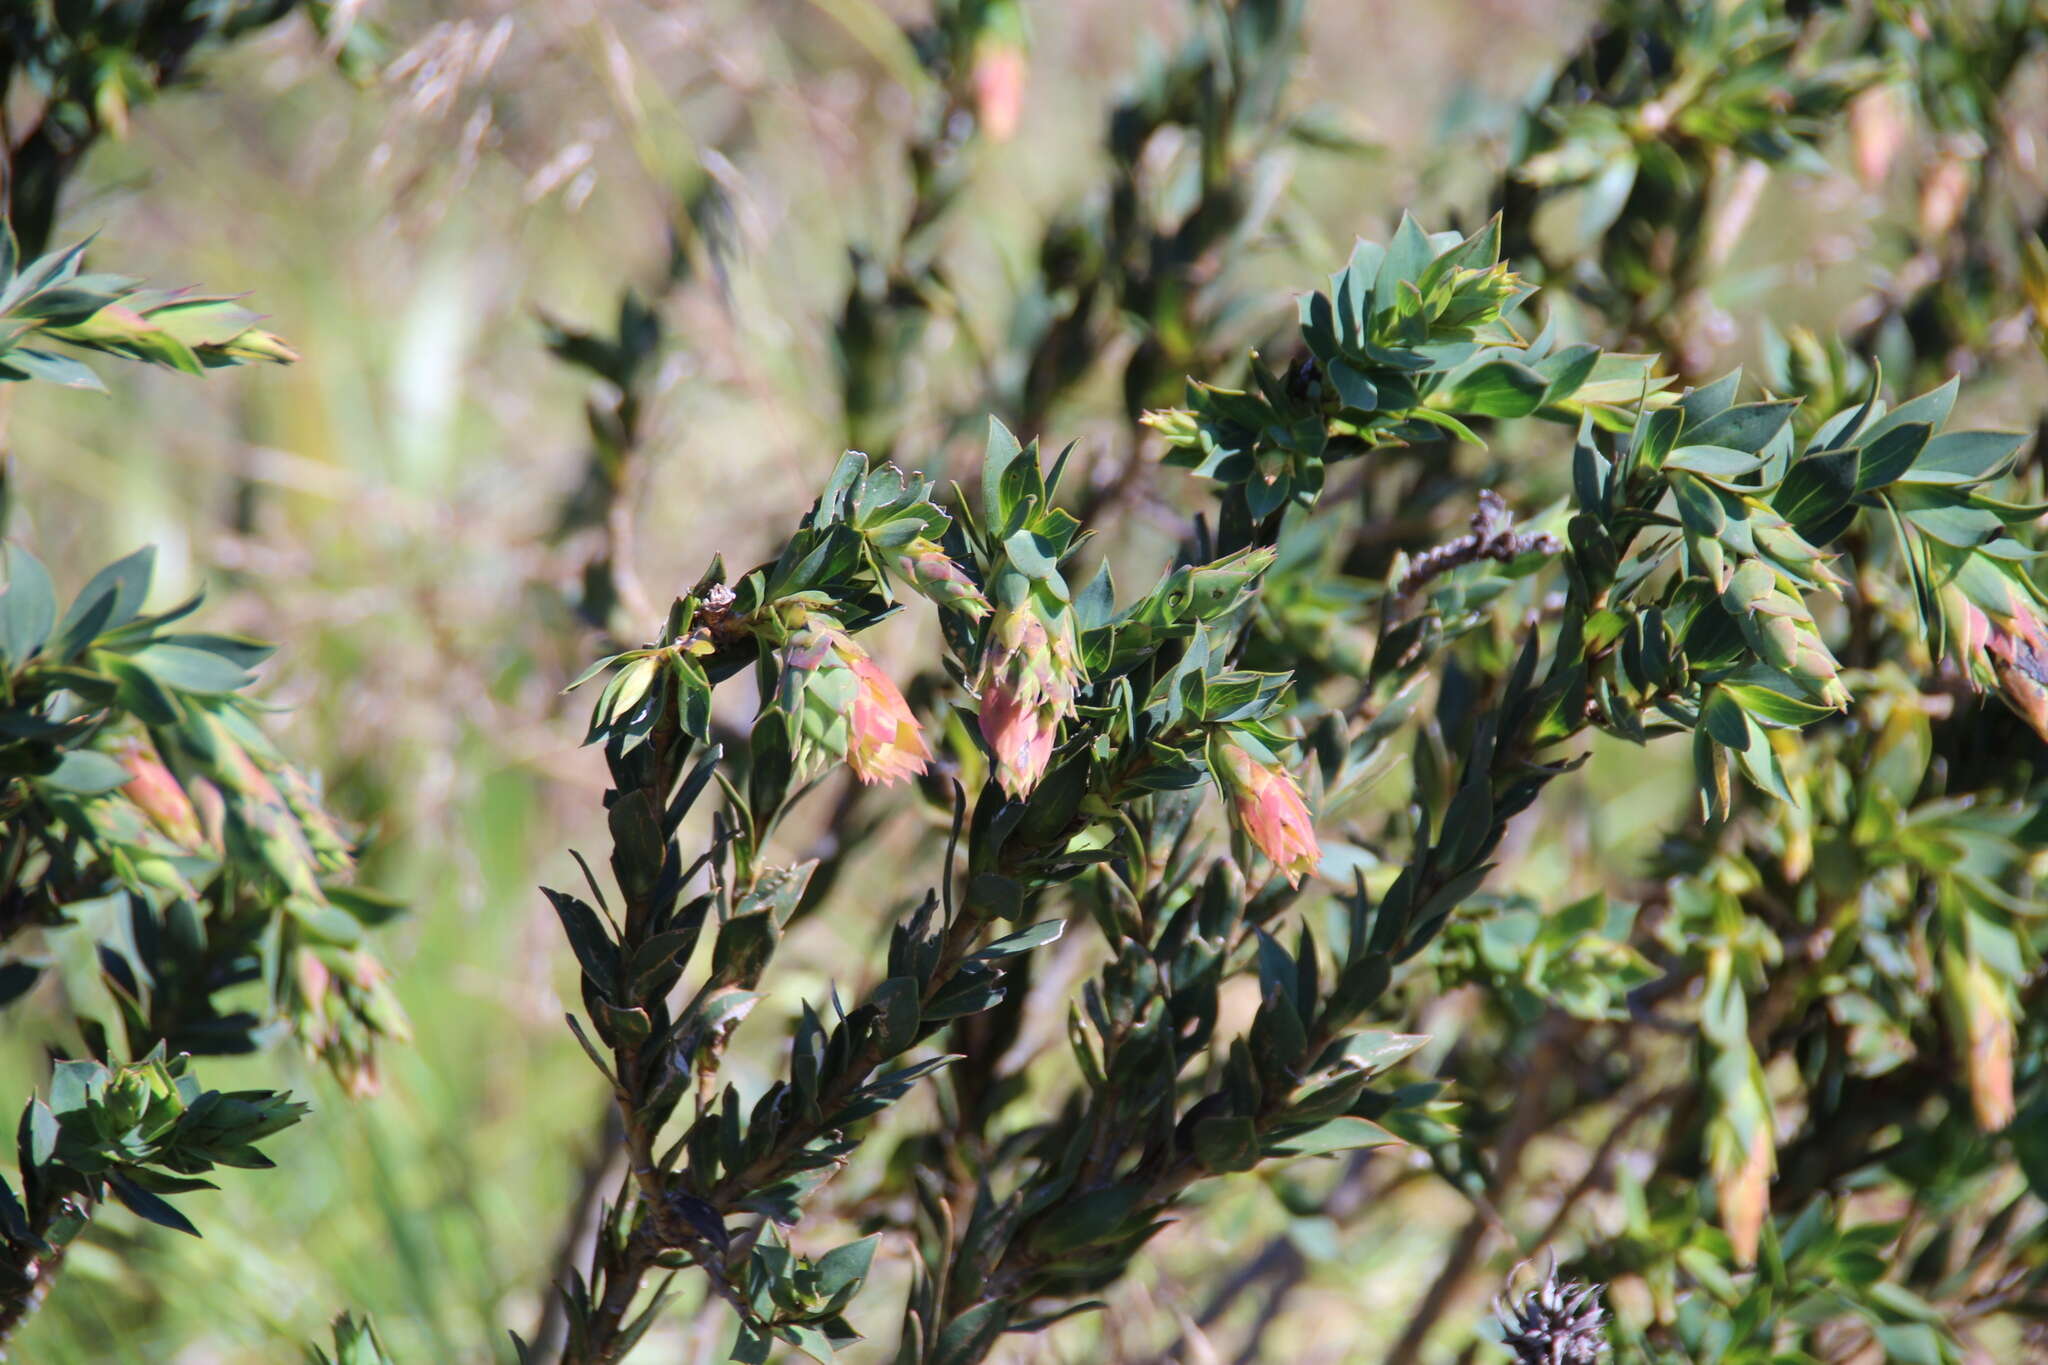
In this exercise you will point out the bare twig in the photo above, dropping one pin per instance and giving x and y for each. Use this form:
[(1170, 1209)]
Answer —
[(1493, 536), (599, 1173), (1526, 1120)]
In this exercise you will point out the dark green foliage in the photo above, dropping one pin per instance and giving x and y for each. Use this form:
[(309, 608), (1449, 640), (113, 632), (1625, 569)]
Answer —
[(1793, 1060), (156, 853), (88, 63), (136, 1133), (1685, 589)]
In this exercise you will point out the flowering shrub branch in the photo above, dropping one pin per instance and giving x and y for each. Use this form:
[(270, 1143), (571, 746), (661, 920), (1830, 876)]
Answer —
[(1697, 535)]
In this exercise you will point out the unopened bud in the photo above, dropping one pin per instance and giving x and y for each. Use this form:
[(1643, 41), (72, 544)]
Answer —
[(1980, 1015), (1266, 804), (1028, 680), (925, 565), (999, 73), (852, 708), (157, 794)]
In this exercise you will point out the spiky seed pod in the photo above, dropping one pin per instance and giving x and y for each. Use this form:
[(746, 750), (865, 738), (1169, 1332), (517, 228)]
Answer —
[(1557, 1323)]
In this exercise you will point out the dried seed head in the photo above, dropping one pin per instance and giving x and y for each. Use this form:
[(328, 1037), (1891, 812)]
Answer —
[(1556, 1323)]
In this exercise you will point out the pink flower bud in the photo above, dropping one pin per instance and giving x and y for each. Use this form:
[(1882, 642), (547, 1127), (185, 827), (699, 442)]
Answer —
[(156, 794), (1028, 677), (884, 743), (999, 72), (2019, 657), (2007, 649), (1266, 804), (1980, 1018), (926, 567)]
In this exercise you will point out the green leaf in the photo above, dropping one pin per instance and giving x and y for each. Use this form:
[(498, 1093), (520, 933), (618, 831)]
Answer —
[(1816, 488), (1888, 456), (36, 1139), (1023, 941), (1227, 1143), (897, 1000), (1498, 388), (749, 1347), (845, 1267), (1774, 706), (967, 1337), (85, 772), (1723, 719), (28, 611), (1602, 198), (1714, 462), (1965, 457), (145, 1205), (23, 363), (1342, 1134), (1946, 516), (588, 939), (1701, 405), (1032, 555), (1565, 370), (1376, 1051), (237, 649), (1700, 509), (1930, 409), (1746, 427), (1003, 451), (13, 1217), (199, 671), (1090, 1218), (108, 602), (1357, 393), (1408, 254)]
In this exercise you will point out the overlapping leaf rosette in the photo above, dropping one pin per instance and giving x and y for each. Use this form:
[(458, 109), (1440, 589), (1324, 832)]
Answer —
[(1414, 340)]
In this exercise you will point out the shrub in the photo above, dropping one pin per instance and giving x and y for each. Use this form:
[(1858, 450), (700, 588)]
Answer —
[(1220, 890), (1680, 592)]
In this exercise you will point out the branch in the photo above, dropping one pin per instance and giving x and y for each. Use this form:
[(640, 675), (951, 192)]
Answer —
[(1492, 536)]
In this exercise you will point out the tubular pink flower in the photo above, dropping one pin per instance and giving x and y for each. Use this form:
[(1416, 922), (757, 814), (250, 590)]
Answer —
[(1265, 803), (1027, 688), (884, 743)]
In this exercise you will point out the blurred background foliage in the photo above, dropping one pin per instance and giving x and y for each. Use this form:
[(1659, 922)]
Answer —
[(843, 222)]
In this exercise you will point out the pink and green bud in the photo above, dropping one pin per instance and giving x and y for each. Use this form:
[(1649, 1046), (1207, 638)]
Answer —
[(2005, 649), (885, 744), (999, 75), (924, 564), (331, 848), (157, 794), (1267, 807), (1028, 679), (1979, 1008), (852, 709)]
